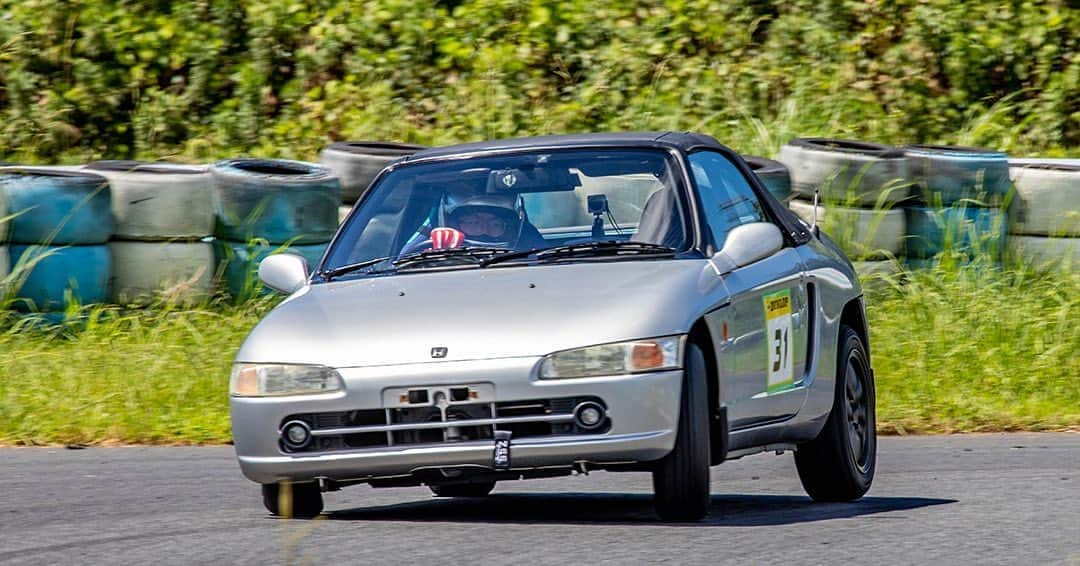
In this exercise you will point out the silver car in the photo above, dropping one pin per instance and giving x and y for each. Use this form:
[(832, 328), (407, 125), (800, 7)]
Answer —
[(547, 306)]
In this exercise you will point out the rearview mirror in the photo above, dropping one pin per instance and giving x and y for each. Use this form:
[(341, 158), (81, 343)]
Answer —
[(285, 272), (747, 244)]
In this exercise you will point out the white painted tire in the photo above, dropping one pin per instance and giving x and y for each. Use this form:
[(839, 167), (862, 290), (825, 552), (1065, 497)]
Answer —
[(5, 267), (1043, 161), (143, 271), (1049, 199), (862, 233), (859, 173), (1062, 252), (159, 201), (343, 212)]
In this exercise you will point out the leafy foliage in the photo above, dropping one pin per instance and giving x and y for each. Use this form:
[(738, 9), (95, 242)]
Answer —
[(196, 80)]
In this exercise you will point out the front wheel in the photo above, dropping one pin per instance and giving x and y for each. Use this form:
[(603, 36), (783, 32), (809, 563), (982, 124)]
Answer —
[(839, 464), (681, 479), (300, 500)]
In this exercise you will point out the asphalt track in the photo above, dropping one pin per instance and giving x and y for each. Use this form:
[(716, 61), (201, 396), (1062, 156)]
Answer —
[(981, 499)]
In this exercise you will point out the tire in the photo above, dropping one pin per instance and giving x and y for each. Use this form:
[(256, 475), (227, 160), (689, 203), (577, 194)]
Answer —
[(773, 174), (931, 231), (159, 201), (861, 233), (179, 272), (343, 213), (462, 489), (855, 173), (1024, 161), (48, 273), (57, 206), (357, 163), (293, 500), (839, 464), (1063, 253), (1049, 198), (681, 479), (5, 222), (238, 264), (5, 268), (946, 174), (276, 200)]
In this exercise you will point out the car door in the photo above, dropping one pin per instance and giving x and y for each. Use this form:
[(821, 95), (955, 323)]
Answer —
[(761, 335)]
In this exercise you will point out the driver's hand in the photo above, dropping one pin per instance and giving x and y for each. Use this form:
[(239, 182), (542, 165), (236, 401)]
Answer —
[(444, 237)]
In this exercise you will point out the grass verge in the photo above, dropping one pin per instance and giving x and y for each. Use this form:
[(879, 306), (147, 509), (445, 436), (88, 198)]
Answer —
[(956, 349)]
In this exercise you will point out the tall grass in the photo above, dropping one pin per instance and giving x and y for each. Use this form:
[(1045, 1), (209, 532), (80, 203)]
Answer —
[(974, 347), (146, 376)]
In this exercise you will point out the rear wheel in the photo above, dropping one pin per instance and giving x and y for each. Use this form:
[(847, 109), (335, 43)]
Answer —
[(839, 464), (681, 479), (300, 500), (462, 489)]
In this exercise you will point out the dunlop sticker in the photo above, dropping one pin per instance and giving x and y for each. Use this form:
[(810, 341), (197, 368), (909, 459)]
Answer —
[(778, 339)]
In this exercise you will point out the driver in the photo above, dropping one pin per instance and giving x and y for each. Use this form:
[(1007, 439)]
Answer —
[(488, 220)]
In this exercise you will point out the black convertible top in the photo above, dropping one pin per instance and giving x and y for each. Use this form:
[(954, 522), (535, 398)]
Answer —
[(681, 140)]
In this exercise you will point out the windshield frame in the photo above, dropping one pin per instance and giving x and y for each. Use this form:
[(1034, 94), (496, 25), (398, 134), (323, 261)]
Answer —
[(674, 158)]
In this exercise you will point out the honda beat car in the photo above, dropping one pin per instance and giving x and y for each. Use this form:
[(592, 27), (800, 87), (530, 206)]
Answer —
[(542, 306)]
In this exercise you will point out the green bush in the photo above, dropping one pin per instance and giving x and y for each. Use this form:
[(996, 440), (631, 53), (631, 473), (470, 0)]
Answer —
[(197, 80)]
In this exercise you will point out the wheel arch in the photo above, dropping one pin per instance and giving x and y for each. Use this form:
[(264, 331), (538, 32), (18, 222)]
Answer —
[(701, 336), (854, 315)]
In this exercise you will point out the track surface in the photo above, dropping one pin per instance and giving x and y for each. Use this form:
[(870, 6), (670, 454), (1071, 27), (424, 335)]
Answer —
[(983, 499)]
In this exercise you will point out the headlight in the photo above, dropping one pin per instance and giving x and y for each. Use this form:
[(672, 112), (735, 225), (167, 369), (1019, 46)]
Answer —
[(653, 354), (265, 380)]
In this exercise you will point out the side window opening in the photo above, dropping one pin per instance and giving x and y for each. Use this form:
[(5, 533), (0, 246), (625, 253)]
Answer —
[(726, 197)]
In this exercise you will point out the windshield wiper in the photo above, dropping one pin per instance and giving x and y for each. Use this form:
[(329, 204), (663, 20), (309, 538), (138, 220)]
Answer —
[(589, 249), (332, 273), (478, 255)]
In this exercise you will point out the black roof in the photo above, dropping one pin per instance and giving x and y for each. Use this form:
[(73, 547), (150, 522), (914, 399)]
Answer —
[(680, 140)]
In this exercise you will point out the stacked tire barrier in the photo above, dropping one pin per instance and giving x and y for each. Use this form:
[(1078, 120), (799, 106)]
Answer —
[(960, 202), (356, 163), (4, 256), (859, 186), (61, 221), (881, 203), (269, 206), (1047, 225), (773, 174), (164, 221)]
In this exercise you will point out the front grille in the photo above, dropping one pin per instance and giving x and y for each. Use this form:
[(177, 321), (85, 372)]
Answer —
[(429, 424)]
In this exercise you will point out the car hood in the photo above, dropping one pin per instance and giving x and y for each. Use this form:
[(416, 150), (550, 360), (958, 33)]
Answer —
[(483, 313)]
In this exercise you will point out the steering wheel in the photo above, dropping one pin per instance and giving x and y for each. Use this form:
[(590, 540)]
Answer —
[(417, 247)]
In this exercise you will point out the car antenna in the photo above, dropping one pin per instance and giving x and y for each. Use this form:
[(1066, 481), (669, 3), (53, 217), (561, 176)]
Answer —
[(813, 224)]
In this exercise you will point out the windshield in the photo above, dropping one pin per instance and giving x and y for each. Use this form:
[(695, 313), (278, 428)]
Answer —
[(515, 203)]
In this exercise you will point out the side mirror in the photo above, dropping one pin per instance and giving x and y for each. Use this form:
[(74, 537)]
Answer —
[(746, 244), (284, 272)]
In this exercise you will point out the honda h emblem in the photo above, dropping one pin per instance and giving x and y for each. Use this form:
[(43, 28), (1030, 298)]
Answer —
[(438, 352)]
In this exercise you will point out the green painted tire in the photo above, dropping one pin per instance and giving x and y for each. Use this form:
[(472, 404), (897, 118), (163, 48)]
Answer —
[(945, 174), (773, 174), (275, 200), (238, 264), (931, 231)]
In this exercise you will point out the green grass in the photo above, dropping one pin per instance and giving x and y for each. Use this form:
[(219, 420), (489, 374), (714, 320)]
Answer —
[(955, 350), (148, 376), (974, 348)]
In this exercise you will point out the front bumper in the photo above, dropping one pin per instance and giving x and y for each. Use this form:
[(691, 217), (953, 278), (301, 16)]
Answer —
[(643, 412)]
